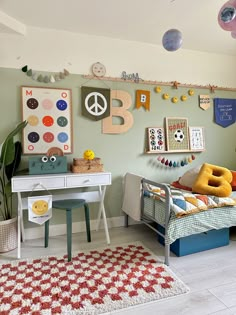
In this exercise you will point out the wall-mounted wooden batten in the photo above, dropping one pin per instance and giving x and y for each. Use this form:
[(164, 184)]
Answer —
[(175, 84)]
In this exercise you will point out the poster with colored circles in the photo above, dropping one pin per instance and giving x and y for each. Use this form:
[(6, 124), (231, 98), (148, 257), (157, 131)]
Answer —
[(48, 112)]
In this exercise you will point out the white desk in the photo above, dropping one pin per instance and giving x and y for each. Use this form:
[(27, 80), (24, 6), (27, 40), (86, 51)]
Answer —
[(27, 183)]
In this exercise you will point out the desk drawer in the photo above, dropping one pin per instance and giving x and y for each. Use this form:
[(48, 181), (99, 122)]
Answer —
[(82, 180), (27, 184)]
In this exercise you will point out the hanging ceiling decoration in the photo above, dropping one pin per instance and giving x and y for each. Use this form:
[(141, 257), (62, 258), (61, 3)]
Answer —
[(172, 40), (227, 17)]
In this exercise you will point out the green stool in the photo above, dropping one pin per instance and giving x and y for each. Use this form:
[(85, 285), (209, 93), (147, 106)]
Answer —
[(68, 205)]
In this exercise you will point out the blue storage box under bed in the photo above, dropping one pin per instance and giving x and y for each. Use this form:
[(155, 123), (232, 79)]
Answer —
[(197, 242)]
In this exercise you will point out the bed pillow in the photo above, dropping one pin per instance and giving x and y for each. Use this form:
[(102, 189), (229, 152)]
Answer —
[(190, 177), (233, 183), (213, 180), (177, 184)]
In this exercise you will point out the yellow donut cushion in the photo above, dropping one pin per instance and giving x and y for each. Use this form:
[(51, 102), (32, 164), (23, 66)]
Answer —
[(213, 180)]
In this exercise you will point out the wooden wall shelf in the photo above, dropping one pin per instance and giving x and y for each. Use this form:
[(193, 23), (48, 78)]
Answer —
[(175, 151)]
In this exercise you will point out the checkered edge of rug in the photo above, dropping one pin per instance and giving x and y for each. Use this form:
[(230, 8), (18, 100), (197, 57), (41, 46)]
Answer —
[(94, 282)]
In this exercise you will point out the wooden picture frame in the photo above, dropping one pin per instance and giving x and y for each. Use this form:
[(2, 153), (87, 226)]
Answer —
[(177, 134), (196, 138), (49, 115), (156, 139)]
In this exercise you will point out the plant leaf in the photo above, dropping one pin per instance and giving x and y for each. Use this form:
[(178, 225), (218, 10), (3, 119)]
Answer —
[(8, 147), (10, 169)]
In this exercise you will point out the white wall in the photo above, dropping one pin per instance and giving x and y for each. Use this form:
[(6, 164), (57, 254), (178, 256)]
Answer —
[(49, 50)]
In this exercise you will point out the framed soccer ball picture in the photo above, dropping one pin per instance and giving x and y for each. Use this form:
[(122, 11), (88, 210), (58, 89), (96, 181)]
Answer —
[(156, 139), (177, 134)]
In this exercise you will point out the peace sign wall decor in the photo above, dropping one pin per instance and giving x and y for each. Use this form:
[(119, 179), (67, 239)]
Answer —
[(95, 102), (48, 112)]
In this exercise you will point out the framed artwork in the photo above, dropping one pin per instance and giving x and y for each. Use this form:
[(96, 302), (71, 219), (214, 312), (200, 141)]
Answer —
[(156, 139), (48, 112), (196, 138), (177, 136)]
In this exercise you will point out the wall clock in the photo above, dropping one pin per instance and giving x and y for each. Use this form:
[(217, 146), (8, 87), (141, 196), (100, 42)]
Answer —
[(98, 69)]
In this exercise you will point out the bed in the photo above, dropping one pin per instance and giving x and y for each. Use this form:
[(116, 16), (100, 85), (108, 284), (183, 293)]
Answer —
[(152, 203)]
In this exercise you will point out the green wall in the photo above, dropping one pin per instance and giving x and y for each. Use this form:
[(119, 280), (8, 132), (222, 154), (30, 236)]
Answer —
[(121, 153)]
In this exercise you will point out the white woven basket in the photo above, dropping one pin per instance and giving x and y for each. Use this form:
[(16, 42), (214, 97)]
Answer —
[(8, 235)]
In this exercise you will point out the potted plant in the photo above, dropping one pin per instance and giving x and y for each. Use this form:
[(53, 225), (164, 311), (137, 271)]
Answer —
[(10, 157)]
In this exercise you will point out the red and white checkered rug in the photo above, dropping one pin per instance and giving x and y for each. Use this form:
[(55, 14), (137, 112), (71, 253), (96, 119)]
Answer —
[(94, 282)]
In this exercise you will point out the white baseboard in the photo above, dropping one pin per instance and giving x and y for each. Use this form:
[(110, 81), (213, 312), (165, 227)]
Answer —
[(60, 229)]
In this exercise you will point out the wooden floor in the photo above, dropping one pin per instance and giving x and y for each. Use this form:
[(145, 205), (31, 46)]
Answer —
[(210, 275)]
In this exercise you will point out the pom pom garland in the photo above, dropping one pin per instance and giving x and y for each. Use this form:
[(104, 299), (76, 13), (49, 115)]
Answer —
[(47, 78), (174, 164)]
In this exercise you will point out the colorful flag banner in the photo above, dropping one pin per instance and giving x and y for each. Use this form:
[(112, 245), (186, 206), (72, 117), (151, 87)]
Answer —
[(39, 208), (143, 99), (95, 102), (225, 111)]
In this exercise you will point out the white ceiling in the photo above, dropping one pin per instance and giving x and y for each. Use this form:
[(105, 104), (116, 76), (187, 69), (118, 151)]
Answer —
[(133, 20)]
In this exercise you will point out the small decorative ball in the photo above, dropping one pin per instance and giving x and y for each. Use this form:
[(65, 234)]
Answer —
[(183, 98), (165, 96), (174, 99), (89, 155), (172, 40), (158, 89), (191, 92)]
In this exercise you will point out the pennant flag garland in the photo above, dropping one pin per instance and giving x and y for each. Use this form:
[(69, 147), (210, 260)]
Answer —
[(174, 164), (52, 78)]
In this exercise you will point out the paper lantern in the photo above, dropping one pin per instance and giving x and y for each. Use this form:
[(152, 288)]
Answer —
[(227, 16), (172, 40)]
